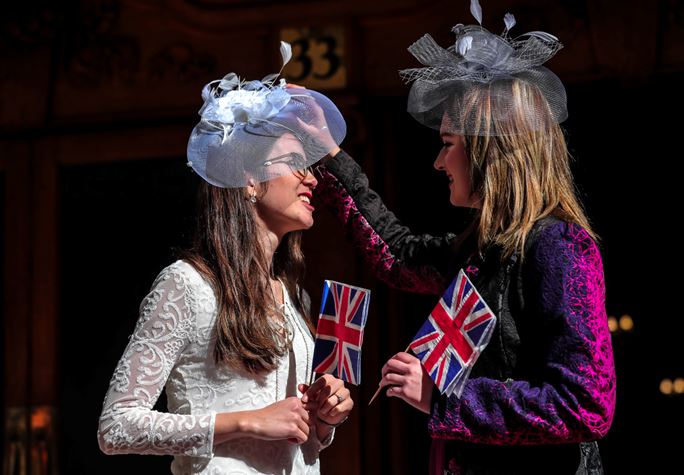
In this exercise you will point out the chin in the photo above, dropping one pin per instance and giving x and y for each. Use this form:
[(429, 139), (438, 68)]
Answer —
[(308, 225), (456, 202), (304, 225), (460, 203)]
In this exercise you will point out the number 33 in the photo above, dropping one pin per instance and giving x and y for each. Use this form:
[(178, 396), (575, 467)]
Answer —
[(329, 55)]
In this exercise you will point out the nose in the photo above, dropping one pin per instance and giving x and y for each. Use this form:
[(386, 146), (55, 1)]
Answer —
[(310, 180), (439, 161)]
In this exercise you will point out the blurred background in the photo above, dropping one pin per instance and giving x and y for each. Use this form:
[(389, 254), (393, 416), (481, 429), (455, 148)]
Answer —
[(97, 100)]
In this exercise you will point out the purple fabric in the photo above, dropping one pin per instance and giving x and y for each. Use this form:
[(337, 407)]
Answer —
[(575, 399), (376, 252)]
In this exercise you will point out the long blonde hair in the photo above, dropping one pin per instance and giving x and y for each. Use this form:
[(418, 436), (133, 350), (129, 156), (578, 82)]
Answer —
[(521, 175)]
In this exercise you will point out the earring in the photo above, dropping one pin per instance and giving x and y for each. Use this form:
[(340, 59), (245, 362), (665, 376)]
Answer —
[(252, 198)]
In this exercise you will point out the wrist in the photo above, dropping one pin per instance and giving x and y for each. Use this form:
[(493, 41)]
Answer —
[(230, 425), (333, 152), (246, 424), (325, 434), (433, 396), (328, 424)]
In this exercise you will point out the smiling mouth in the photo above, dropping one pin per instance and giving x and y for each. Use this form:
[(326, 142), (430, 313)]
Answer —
[(305, 199)]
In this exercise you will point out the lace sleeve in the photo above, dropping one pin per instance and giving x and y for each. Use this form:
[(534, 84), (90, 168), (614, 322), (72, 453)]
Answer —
[(572, 399), (128, 424)]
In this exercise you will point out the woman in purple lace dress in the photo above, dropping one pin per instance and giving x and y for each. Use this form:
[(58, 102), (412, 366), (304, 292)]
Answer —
[(543, 390)]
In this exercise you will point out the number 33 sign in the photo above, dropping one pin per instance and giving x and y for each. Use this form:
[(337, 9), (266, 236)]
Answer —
[(317, 57)]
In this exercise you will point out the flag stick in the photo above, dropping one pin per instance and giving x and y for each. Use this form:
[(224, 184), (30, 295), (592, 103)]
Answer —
[(375, 395), (379, 387)]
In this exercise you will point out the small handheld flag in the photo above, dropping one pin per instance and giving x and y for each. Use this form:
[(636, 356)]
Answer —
[(454, 335), (344, 310)]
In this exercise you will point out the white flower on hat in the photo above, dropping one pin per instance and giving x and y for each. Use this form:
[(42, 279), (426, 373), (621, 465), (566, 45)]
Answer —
[(230, 101), (241, 106)]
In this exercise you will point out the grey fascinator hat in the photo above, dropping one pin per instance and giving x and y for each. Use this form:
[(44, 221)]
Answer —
[(246, 126), (486, 84)]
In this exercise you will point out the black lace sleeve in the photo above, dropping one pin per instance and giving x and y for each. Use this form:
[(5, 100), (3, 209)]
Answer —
[(414, 263)]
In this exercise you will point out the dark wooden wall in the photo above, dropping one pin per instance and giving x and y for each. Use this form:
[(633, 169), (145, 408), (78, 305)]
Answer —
[(97, 100)]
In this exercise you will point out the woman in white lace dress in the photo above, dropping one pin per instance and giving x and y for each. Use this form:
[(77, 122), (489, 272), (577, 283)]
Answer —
[(223, 330)]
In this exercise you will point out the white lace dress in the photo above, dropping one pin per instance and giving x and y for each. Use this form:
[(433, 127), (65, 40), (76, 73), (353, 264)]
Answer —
[(172, 346)]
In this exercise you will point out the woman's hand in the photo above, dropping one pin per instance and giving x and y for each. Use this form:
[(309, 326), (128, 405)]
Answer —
[(318, 128), (406, 378), (286, 419), (329, 401)]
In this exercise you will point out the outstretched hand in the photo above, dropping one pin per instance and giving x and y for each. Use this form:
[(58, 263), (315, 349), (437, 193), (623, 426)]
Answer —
[(405, 378), (317, 129)]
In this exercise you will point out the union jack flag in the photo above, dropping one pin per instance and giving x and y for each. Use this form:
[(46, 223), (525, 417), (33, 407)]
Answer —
[(454, 335), (344, 310)]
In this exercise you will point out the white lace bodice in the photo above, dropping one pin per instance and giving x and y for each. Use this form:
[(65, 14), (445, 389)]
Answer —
[(172, 346)]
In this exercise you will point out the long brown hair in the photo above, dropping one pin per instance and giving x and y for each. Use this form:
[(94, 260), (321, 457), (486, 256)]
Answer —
[(520, 175), (228, 253)]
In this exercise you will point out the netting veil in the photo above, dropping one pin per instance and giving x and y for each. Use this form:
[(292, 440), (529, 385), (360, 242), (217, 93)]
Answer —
[(243, 123), (480, 72)]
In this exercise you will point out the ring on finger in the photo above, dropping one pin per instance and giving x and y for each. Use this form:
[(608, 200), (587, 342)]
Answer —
[(339, 398)]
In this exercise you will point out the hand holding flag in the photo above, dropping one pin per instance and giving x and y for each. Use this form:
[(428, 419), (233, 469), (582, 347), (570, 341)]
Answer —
[(454, 335), (404, 377)]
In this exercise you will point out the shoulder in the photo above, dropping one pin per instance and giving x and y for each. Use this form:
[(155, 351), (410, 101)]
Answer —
[(182, 279), (554, 237), (182, 284), (182, 273), (559, 251)]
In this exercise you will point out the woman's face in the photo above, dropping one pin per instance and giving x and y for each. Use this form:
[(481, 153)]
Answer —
[(453, 161), (286, 204)]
